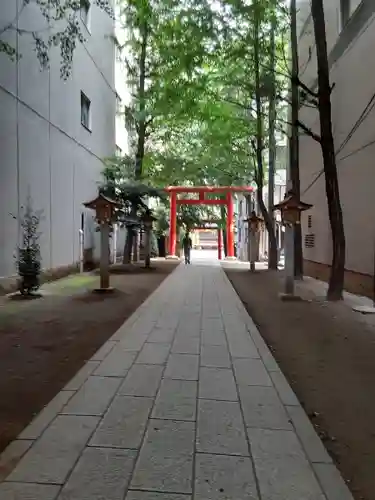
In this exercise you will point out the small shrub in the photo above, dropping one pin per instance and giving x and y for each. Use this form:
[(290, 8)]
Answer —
[(28, 256)]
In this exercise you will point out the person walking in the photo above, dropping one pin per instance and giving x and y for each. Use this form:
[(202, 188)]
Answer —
[(187, 245)]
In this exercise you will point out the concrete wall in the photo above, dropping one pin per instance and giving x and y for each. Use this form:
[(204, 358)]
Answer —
[(45, 151), (351, 50)]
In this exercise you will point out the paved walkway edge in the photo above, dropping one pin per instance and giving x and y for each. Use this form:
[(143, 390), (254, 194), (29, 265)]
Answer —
[(329, 478), (110, 373)]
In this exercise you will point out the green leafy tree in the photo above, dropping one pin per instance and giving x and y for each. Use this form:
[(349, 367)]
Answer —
[(62, 30)]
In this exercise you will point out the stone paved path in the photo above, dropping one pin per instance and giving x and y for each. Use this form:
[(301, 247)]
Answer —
[(184, 402)]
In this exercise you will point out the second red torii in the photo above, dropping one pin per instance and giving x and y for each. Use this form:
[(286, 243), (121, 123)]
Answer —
[(202, 191)]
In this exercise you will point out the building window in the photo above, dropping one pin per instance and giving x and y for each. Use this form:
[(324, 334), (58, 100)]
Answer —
[(85, 12), (344, 12), (309, 221), (85, 111)]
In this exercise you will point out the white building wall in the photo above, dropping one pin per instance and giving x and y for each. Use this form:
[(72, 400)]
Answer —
[(45, 151), (351, 50)]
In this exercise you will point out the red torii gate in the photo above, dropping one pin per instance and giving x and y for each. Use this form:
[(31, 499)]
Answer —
[(202, 191)]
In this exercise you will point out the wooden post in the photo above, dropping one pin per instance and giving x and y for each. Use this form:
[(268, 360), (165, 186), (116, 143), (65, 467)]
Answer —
[(104, 256)]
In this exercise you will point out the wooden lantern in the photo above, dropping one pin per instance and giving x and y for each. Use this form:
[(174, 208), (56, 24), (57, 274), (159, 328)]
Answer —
[(105, 214), (291, 208), (104, 208), (255, 222)]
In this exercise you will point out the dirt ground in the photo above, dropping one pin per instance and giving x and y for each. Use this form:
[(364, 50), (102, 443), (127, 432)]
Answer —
[(327, 352), (44, 342)]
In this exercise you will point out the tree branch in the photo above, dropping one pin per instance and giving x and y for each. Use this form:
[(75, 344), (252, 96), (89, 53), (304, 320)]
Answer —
[(297, 81), (309, 132)]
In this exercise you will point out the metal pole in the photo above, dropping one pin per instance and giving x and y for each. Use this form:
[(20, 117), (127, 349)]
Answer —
[(81, 251)]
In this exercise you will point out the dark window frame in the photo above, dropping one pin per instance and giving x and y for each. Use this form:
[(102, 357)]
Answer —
[(85, 111)]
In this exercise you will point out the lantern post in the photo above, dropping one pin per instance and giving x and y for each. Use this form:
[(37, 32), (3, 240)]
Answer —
[(147, 221), (291, 208), (105, 214), (253, 224)]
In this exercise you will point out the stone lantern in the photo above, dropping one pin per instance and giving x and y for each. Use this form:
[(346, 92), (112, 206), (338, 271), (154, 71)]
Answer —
[(147, 220), (254, 225), (290, 208), (105, 215)]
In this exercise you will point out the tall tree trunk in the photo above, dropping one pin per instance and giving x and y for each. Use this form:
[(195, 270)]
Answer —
[(259, 177), (141, 139), (127, 256), (336, 280), (272, 242), (142, 125), (294, 139)]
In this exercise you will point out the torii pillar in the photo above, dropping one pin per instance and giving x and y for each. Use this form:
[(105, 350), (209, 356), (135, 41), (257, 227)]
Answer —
[(229, 228), (173, 223)]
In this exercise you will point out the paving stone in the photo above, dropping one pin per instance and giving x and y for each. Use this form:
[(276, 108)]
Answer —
[(154, 354), (213, 337), (215, 356), (182, 367), (28, 491), (220, 428), (146, 495), (284, 390), (311, 443), (262, 408), (217, 383), (235, 328), (242, 347), (45, 417), (124, 424), (53, 456), (176, 400), (104, 350), (81, 376), (213, 324), (161, 335), (221, 477), (133, 342), (12, 454), (126, 327), (190, 330), (100, 474), (142, 380), (186, 345), (93, 397), (117, 363), (251, 372), (281, 466), (166, 459), (332, 483)]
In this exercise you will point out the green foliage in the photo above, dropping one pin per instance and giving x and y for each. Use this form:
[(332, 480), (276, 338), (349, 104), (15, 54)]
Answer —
[(191, 70), (162, 221), (190, 216), (64, 31)]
